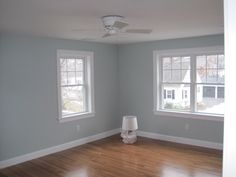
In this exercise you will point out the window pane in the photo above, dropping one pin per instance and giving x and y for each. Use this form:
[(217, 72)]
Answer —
[(201, 75), (71, 78), (176, 76), (176, 69), (73, 100), (201, 62), (209, 75), (176, 63), (79, 65), (214, 73), (207, 102), (79, 78), (173, 100), (201, 72), (212, 61), (221, 76), (70, 64), (166, 63), (185, 75), (220, 92), (63, 78), (212, 76), (166, 75), (63, 64), (209, 91), (186, 63), (221, 61)]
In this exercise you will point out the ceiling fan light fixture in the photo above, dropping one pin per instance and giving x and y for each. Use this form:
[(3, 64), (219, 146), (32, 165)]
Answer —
[(109, 20)]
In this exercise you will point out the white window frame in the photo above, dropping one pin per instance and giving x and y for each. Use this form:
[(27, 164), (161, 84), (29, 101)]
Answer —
[(192, 52), (89, 79)]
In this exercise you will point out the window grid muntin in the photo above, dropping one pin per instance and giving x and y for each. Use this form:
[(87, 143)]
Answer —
[(193, 80), (210, 68), (75, 71), (162, 83), (83, 85), (171, 67)]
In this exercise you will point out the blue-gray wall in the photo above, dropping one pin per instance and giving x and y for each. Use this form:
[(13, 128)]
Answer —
[(123, 85), (136, 89), (28, 94)]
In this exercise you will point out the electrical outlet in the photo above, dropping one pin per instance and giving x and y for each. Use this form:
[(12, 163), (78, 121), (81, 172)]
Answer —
[(186, 126), (77, 127)]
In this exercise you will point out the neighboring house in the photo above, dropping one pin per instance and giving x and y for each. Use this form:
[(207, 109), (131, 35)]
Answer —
[(177, 96)]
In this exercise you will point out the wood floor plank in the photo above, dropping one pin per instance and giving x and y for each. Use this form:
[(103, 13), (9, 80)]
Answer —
[(109, 157)]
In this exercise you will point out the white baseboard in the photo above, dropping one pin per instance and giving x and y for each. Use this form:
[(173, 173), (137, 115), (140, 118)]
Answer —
[(54, 149), (181, 140)]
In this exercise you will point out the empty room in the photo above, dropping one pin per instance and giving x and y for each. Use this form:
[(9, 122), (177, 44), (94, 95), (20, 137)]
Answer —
[(116, 88)]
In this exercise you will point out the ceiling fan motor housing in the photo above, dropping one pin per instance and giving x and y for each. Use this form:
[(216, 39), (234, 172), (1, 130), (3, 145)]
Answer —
[(109, 21)]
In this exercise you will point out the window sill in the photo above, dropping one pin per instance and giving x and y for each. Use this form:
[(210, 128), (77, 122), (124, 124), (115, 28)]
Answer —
[(201, 116), (76, 117)]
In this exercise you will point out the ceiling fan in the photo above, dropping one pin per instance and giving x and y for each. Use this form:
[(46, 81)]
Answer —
[(114, 24)]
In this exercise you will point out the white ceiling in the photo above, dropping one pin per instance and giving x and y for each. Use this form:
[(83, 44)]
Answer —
[(60, 18)]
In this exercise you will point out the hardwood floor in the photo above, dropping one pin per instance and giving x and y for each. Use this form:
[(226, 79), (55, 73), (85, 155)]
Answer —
[(111, 158)]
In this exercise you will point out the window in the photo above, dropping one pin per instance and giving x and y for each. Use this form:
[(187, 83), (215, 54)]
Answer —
[(210, 76), (189, 81), (75, 84), (184, 94), (169, 94), (220, 92), (175, 77), (208, 92)]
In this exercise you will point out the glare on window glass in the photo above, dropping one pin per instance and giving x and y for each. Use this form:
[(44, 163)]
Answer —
[(72, 100)]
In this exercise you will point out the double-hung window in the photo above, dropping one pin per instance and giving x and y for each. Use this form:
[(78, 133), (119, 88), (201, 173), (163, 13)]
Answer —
[(75, 84), (189, 81)]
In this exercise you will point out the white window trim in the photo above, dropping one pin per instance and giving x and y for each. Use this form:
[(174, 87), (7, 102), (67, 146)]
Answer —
[(90, 82), (157, 54)]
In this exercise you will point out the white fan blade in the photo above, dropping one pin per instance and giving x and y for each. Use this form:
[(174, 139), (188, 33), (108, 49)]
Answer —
[(106, 35), (142, 31), (120, 25)]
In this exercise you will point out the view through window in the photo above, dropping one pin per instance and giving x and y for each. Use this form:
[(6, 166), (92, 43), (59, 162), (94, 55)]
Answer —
[(192, 83), (72, 86), (210, 83)]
